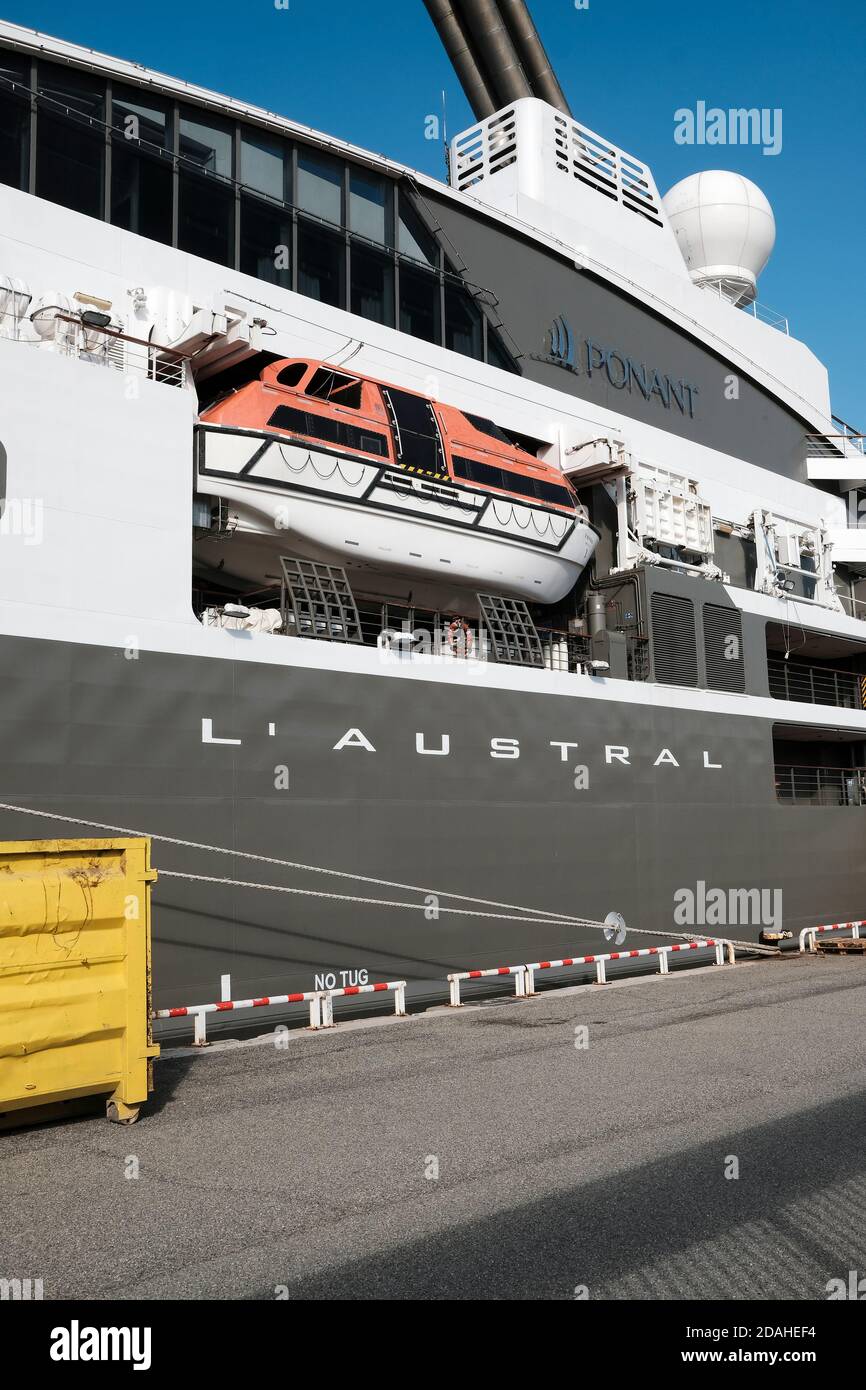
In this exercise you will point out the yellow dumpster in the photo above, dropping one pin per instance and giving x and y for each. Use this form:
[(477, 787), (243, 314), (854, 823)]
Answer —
[(74, 976)]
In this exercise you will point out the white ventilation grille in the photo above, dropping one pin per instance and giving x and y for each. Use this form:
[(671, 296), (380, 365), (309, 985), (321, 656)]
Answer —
[(484, 149), (605, 168)]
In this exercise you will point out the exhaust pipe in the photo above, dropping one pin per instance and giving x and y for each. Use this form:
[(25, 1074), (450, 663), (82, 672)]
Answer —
[(532, 54), (496, 51), (450, 29)]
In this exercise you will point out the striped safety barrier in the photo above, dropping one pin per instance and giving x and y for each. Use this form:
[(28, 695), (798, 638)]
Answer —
[(328, 997), (320, 1002), (808, 934), (518, 971), (721, 946)]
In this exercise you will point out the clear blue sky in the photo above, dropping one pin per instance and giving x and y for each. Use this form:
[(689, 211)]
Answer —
[(371, 70)]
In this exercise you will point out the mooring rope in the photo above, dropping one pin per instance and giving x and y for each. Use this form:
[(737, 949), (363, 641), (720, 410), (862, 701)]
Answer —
[(509, 913)]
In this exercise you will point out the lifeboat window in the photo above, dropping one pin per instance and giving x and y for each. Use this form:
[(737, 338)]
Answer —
[(329, 385), (291, 375), (330, 431), (484, 426), (489, 476)]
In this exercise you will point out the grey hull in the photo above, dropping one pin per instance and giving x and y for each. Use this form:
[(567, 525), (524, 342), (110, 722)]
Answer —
[(88, 733)]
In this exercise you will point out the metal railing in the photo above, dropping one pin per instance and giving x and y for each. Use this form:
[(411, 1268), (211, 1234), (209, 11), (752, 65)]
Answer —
[(103, 346), (815, 685), (820, 786)]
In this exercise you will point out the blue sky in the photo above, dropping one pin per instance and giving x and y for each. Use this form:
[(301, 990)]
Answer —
[(371, 71)]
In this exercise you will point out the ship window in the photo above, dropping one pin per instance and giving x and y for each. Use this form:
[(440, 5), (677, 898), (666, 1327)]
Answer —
[(320, 187), (496, 353), (463, 329), (293, 374), (14, 121), (206, 144), (419, 304), (413, 239), (139, 119), (485, 426), (473, 471), (368, 206), (329, 385), (70, 148), (321, 265), (264, 165), (205, 219), (266, 239), (141, 193), (372, 286), (329, 430)]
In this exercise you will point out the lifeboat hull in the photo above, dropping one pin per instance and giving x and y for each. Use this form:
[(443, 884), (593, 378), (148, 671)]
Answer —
[(288, 497)]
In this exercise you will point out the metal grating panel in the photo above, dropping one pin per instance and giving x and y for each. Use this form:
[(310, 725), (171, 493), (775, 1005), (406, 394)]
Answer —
[(512, 633), (317, 601), (675, 650), (723, 648)]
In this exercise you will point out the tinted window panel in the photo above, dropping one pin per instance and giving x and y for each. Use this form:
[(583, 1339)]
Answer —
[(413, 239), (14, 140), (368, 199), (69, 165), (205, 219), (321, 265), (207, 144), (419, 304), (266, 239), (138, 117), (463, 328), (496, 353), (320, 187), (70, 142), (372, 286), (330, 385), (330, 431), (263, 165), (293, 374), (141, 192)]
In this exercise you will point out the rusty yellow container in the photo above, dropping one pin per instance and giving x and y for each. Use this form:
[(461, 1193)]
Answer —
[(75, 1011)]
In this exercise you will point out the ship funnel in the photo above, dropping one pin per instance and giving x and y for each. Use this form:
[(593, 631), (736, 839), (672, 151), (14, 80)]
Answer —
[(496, 52), (725, 229)]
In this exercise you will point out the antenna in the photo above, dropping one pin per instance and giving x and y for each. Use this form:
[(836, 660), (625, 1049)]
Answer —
[(446, 148)]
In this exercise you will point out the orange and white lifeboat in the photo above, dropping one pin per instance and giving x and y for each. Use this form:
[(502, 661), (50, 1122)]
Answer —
[(356, 472)]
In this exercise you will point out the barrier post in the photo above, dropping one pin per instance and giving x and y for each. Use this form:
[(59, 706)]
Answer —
[(600, 976), (200, 1029), (400, 1001), (664, 963)]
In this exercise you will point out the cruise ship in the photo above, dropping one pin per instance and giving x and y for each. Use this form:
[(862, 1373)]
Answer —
[(432, 568)]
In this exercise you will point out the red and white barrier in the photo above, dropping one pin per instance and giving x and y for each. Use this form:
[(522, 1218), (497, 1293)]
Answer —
[(320, 1002), (518, 971), (808, 934), (525, 974), (328, 997), (721, 946)]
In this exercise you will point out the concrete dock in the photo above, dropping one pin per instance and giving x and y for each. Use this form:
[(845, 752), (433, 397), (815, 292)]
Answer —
[(702, 1138)]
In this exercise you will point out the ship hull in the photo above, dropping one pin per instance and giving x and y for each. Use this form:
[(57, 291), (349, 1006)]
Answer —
[(525, 800)]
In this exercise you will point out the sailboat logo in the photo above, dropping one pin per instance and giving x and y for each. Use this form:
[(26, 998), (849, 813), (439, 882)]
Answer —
[(562, 342)]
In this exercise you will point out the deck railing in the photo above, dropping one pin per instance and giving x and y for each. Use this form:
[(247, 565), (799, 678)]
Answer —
[(815, 685), (821, 786)]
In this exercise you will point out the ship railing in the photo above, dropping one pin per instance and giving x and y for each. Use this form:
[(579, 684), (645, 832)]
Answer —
[(808, 934), (820, 786), (102, 345), (816, 685), (320, 1001), (854, 607)]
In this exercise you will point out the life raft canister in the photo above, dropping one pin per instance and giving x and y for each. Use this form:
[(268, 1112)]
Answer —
[(460, 638)]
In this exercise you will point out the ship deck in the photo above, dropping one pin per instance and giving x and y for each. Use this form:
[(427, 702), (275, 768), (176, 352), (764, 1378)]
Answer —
[(304, 1169)]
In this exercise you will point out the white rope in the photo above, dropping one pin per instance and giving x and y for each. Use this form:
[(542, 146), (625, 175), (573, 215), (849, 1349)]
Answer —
[(546, 920), (305, 868)]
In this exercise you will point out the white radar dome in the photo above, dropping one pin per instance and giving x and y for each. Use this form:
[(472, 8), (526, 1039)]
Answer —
[(725, 229)]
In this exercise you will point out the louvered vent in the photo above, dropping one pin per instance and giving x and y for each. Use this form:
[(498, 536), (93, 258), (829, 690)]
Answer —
[(675, 651), (723, 648)]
